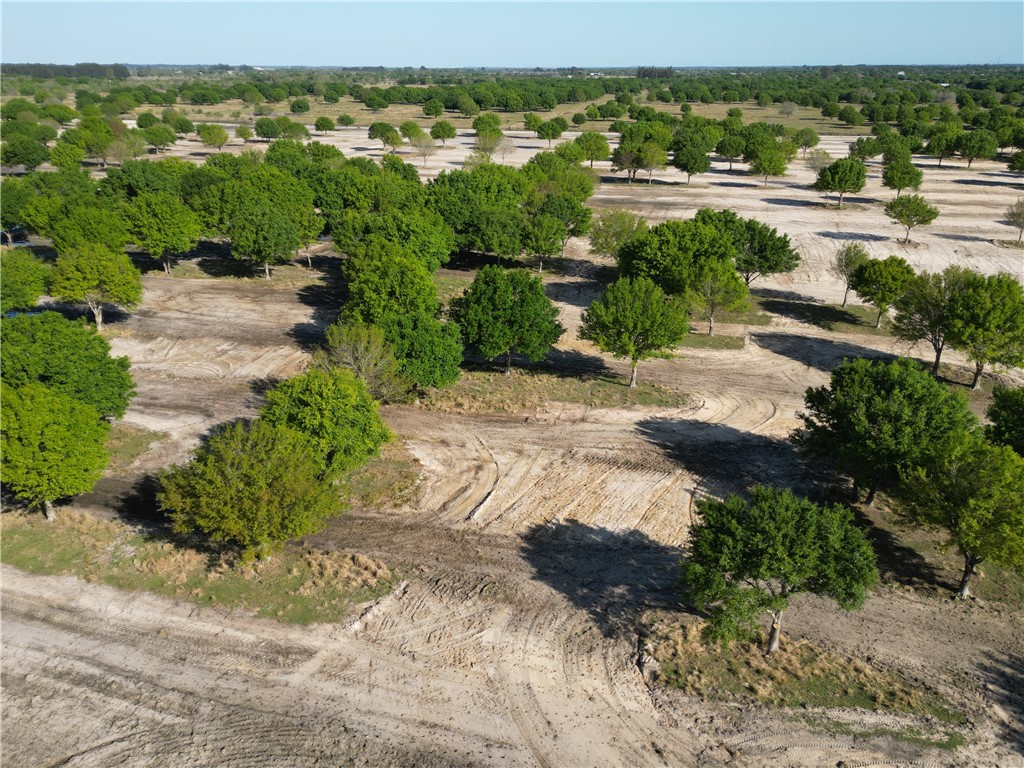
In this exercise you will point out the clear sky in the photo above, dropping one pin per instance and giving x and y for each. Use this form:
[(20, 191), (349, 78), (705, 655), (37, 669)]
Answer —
[(494, 34)]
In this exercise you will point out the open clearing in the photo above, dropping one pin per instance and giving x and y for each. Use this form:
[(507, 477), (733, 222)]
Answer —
[(536, 542)]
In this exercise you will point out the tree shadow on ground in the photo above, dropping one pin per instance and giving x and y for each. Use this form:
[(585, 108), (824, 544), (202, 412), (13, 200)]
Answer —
[(471, 261), (853, 236), (613, 575), (559, 362), (739, 185), (823, 354), (726, 460), (326, 298), (580, 293), (983, 183), (963, 238), (824, 316), (1003, 676), (896, 561), (789, 202)]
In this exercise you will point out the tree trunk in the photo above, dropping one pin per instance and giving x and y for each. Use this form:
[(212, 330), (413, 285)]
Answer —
[(840, 201), (508, 363), (97, 313), (309, 259), (167, 263), (878, 322), (970, 563), (846, 294), (266, 270), (48, 511), (632, 376), (871, 493), (711, 325), (687, 179), (940, 161), (969, 161), (907, 240), (1020, 235), (766, 181), (591, 163), (730, 163), (540, 264), (978, 368), (938, 356), (774, 633), (898, 191)]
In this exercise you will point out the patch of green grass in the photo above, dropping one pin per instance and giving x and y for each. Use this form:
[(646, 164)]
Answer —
[(492, 391), (126, 443), (750, 316), (703, 341), (800, 674), (829, 317), (948, 740), (387, 480), (450, 286), (296, 585)]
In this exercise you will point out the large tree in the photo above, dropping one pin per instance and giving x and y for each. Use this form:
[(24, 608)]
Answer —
[(845, 263), (613, 229), (1006, 414), (746, 558), (975, 494), (334, 412), (769, 161), (900, 174), (441, 131), (987, 322), (594, 146), (979, 144), (161, 224), (263, 234), (96, 276), (846, 175), (923, 312), (23, 279), (68, 357), (690, 159), (505, 313), (881, 282), (53, 445), (911, 211), (252, 486), (731, 146), (363, 350), (874, 418), (715, 288), (635, 320)]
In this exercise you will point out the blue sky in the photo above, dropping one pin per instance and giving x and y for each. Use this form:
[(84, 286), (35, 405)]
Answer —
[(463, 34)]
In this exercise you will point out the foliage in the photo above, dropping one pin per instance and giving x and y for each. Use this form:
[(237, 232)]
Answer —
[(253, 486), (1006, 412), (594, 146), (874, 418), (975, 494), (334, 413), (53, 444), (503, 313), (613, 229), (1015, 216), (633, 319), (987, 322), (22, 150), (428, 351), (158, 222), (94, 275), (715, 288), (691, 159), (441, 131), (386, 279), (23, 279), (760, 249), (484, 207), (844, 176), (263, 234), (901, 174), (363, 350), (746, 558), (923, 312), (670, 252), (770, 161), (910, 211), (845, 264), (68, 357), (881, 282)]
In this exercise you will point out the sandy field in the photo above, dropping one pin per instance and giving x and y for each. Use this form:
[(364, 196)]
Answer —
[(534, 545)]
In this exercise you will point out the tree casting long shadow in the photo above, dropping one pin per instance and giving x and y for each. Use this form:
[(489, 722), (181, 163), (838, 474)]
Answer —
[(613, 575), (823, 354)]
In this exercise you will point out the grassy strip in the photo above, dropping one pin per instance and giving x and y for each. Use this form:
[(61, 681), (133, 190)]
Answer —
[(828, 317), (296, 586), (703, 341), (946, 740), (126, 443), (450, 287), (798, 675), (492, 391), (387, 480)]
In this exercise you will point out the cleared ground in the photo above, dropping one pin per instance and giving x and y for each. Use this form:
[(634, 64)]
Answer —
[(535, 543)]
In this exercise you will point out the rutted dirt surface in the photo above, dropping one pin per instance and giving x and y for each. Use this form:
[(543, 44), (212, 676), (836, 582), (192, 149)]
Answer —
[(535, 543)]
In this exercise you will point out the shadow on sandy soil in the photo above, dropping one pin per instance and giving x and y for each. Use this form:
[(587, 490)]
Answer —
[(824, 316), (852, 236), (613, 575), (823, 354), (1003, 674), (724, 459)]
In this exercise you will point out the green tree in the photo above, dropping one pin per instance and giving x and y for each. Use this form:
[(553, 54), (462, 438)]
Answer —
[(851, 116), (760, 249), (253, 486), (845, 263), (910, 211), (375, 103), (429, 352), (344, 121), (923, 312), (66, 156), (875, 418), (691, 159), (71, 225), (846, 175), (533, 122), (975, 495), (503, 313), (594, 146), (333, 410), (433, 108), (441, 131), (96, 276), (770, 161), (746, 558), (670, 253), (386, 133), (212, 135), (410, 129), (243, 132), (987, 322), (806, 138), (23, 279), (161, 224), (881, 282), (323, 124), (613, 229), (1015, 216), (53, 445), (716, 288), (545, 236), (979, 144), (22, 150), (901, 174), (68, 357), (263, 234), (944, 140), (299, 106), (1006, 412), (550, 130), (363, 350), (159, 136), (386, 279), (731, 146), (634, 320)]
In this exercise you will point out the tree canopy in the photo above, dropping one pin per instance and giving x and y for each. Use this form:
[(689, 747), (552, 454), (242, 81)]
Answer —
[(96, 276), (23, 279), (924, 311), (746, 558), (881, 282), (987, 322), (911, 211), (846, 175), (161, 224), (1006, 412), (635, 320)]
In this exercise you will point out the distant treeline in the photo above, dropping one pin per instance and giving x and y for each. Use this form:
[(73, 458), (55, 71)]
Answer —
[(652, 72), (49, 71)]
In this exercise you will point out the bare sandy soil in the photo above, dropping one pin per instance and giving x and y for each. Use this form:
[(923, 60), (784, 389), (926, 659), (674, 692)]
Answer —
[(535, 543)]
